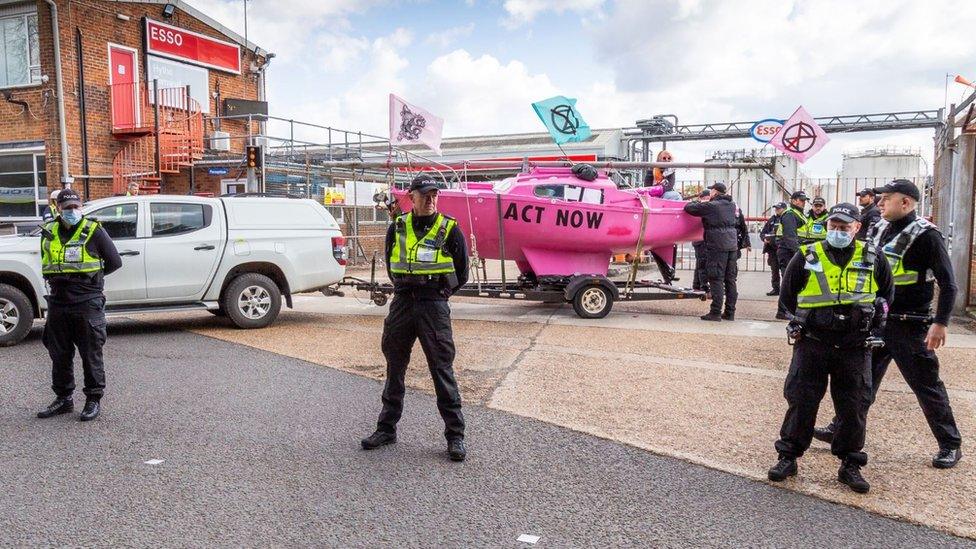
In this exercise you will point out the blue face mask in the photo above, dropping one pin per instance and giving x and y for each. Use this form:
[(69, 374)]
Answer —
[(72, 216), (839, 239)]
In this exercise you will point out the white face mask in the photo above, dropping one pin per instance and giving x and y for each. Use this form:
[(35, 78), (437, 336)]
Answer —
[(839, 239)]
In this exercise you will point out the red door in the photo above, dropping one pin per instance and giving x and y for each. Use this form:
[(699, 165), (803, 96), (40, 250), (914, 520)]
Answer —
[(125, 91)]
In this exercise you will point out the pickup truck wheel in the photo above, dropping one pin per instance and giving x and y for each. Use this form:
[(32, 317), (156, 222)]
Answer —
[(252, 300), (16, 315)]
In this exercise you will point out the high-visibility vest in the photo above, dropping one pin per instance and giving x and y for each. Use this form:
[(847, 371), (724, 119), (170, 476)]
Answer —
[(421, 256), (830, 285), (800, 227), (894, 250), (815, 228), (70, 257)]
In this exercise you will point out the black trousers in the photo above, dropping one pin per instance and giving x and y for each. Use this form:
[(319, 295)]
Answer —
[(430, 322), (905, 344), (700, 281), (849, 373), (723, 270), (772, 259), (783, 257), (80, 326)]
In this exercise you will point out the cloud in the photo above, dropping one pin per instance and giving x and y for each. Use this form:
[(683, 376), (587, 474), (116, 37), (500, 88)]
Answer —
[(445, 38), (478, 95), (522, 12)]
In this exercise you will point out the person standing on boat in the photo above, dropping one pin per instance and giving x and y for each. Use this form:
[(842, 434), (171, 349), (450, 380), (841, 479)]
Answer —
[(720, 217), (427, 262)]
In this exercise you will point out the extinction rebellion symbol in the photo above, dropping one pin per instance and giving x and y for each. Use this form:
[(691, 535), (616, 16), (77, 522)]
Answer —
[(411, 125), (564, 119), (799, 138)]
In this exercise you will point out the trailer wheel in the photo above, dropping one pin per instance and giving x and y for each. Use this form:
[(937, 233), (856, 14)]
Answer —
[(592, 301), (379, 298)]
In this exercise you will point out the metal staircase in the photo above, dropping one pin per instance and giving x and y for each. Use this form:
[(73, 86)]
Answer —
[(161, 130)]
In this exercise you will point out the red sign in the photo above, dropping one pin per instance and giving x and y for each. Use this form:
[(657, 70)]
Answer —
[(181, 44)]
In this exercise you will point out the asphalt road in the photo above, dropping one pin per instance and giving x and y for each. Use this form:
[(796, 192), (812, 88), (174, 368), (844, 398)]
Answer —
[(263, 450)]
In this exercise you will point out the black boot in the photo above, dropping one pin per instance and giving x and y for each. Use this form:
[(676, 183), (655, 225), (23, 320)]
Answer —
[(58, 407), (850, 474), (377, 439), (772, 292), (824, 434), (947, 458), (728, 315), (783, 316), (784, 468), (713, 317), (91, 411), (455, 448)]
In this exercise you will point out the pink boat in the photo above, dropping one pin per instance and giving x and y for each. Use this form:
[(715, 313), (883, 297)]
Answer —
[(557, 225)]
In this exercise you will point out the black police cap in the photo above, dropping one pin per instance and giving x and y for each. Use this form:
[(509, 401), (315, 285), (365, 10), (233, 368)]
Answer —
[(68, 197), (902, 186), (424, 183), (846, 212), (799, 195), (718, 186)]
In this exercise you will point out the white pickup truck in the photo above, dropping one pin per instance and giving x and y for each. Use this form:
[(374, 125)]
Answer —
[(237, 256)]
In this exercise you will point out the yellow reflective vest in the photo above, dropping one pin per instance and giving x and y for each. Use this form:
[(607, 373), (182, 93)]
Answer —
[(894, 250), (800, 226), (815, 228), (426, 255), (70, 257), (830, 285)]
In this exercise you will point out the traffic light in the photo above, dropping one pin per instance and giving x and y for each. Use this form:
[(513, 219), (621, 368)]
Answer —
[(252, 156)]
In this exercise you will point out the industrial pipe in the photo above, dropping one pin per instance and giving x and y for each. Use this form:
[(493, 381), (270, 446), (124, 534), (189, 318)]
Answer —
[(59, 86)]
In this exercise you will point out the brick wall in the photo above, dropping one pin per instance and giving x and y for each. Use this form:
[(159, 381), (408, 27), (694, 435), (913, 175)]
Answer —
[(99, 26)]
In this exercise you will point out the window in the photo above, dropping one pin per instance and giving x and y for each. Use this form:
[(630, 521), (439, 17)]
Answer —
[(119, 221), (23, 183), (173, 219), (20, 53), (550, 191)]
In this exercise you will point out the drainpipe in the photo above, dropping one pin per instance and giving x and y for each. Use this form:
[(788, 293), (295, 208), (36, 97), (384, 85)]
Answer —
[(66, 178), (261, 91)]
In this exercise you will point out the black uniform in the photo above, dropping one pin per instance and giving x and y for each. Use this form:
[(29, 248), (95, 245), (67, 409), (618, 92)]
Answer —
[(829, 349), (788, 243), (768, 235), (419, 310), (869, 216), (76, 319), (904, 337), (721, 219)]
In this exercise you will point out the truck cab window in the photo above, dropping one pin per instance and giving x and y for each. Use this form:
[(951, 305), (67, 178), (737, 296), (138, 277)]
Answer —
[(170, 219), (119, 221)]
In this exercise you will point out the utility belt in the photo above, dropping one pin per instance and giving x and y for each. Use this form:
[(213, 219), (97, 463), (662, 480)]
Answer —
[(867, 319), (912, 318), (435, 281)]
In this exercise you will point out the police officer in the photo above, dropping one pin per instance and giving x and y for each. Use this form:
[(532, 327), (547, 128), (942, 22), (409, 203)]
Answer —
[(832, 288), (870, 214), (51, 210), (816, 227), (721, 218), (700, 280), (917, 255), (428, 262), (792, 225), (76, 254), (768, 235)]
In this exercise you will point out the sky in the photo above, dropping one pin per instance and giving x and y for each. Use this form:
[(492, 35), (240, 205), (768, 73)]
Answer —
[(479, 64)]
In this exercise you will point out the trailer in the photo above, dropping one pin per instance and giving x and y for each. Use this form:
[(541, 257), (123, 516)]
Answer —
[(592, 295)]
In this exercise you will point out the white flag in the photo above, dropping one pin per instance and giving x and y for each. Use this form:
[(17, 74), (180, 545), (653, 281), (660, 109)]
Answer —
[(410, 124)]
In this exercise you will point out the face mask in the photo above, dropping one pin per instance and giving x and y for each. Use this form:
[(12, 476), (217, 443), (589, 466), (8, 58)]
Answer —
[(839, 239), (71, 217)]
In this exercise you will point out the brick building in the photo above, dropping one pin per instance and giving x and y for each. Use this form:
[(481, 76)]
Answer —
[(140, 82)]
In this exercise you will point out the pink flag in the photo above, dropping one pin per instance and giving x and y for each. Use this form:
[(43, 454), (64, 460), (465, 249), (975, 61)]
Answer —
[(800, 137), (410, 125)]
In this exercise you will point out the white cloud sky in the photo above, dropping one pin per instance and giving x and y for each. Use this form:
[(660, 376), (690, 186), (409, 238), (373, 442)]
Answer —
[(704, 60)]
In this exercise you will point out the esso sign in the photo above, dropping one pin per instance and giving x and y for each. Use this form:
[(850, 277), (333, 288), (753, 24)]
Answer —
[(192, 47), (165, 36), (764, 130)]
